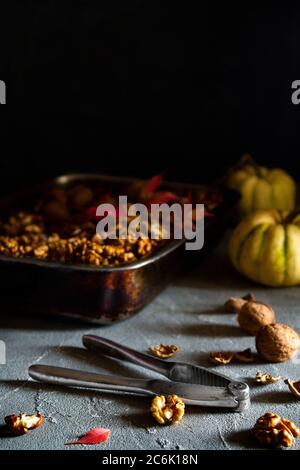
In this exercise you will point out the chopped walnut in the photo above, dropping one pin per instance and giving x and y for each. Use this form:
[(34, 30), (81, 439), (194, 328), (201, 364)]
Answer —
[(245, 356), (167, 409), (27, 234), (294, 387), (41, 251), (266, 379), (20, 424), (272, 430), (164, 351), (222, 357)]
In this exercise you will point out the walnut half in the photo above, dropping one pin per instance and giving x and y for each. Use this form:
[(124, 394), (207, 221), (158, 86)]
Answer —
[(167, 409), (226, 357), (20, 424), (294, 387), (222, 357), (266, 379), (272, 430)]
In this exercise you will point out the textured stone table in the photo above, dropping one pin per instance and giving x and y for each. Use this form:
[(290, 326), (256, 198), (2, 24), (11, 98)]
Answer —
[(187, 313)]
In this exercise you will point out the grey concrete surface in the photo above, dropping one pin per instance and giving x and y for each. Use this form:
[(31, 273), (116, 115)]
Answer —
[(188, 314)]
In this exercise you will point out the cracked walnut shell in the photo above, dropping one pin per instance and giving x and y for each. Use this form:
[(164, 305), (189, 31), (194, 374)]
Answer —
[(226, 357), (253, 315), (294, 387), (167, 409), (277, 342), (272, 430), (164, 351), (245, 356), (20, 424), (222, 357)]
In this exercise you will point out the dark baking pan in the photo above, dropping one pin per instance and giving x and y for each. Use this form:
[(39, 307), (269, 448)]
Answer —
[(100, 295)]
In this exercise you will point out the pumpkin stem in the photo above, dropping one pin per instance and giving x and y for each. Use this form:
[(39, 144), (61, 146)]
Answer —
[(291, 216), (245, 159)]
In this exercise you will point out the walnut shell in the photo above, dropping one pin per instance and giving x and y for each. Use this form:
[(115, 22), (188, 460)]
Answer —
[(277, 342), (253, 315)]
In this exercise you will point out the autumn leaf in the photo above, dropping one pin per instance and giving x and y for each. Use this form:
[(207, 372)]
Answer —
[(153, 184), (94, 436)]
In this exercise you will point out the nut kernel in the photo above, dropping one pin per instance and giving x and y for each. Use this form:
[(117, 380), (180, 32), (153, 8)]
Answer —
[(164, 351), (167, 409)]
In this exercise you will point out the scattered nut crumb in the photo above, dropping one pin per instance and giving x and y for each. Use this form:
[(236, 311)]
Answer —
[(245, 356), (294, 387), (222, 357), (164, 351), (20, 424), (266, 379), (272, 430), (167, 409)]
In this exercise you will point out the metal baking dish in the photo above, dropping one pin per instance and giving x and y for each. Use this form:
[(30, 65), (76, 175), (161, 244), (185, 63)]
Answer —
[(100, 295)]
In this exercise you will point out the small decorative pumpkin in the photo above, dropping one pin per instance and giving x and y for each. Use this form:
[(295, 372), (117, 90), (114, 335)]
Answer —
[(265, 247), (261, 188)]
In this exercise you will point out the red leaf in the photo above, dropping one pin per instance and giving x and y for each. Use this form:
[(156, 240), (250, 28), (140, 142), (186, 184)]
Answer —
[(153, 184), (208, 214), (90, 213), (94, 436), (190, 197), (163, 197), (106, 197)]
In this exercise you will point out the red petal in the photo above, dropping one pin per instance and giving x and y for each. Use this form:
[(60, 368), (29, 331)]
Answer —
[(153, 184), (94, 436)]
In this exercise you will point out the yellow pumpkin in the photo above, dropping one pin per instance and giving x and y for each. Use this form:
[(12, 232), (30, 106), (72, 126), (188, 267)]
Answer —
[(265, 247), (261, 188)]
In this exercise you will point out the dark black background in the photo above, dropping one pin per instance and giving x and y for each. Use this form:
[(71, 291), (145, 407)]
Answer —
[(138, 87)]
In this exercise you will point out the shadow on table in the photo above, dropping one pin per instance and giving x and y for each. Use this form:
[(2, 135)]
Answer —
[(23, 320), (209, 329), (214, 271), (197, 329), (5, 432), (113, 366), (141, 419), (125, 399), (276, 397), (243, 439)]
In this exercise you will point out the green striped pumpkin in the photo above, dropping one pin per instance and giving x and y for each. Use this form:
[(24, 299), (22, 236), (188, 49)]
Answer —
[(261, 188), (265, 247)]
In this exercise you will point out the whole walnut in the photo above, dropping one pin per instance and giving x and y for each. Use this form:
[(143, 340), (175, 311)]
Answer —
[(277, 342), (80, 196), (56, 211), (253, 315)]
